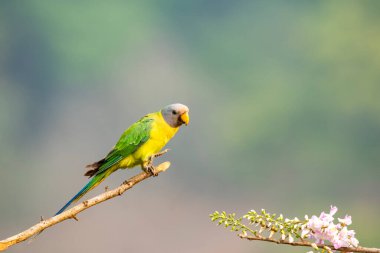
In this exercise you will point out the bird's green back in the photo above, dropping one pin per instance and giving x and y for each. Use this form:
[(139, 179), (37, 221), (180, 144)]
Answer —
[(136, 135)]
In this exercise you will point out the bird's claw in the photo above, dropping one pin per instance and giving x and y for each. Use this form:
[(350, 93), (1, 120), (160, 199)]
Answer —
[(161, 153), (152, 170), (151, 158), (149, 167)]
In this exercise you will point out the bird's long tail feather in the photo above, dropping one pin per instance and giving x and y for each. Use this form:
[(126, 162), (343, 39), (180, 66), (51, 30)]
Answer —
[(89, 186)]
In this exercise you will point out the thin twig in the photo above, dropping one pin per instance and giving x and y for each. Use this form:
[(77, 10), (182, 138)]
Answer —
[(72, 212), (308, 244)]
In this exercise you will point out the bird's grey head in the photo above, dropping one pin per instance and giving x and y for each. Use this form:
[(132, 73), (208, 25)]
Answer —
[(176, 114)]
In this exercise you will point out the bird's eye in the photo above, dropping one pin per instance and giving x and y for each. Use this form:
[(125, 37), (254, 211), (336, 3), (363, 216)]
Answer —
[(174, 112)]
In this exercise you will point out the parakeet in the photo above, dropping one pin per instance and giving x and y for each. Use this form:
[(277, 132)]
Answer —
[(136, 146)]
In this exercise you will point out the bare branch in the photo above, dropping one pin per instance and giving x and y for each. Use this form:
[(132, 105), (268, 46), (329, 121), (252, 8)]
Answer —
[(72, 212), (308, 244)]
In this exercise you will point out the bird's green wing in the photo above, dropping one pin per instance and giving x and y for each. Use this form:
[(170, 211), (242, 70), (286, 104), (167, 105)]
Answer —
[(136, 135)]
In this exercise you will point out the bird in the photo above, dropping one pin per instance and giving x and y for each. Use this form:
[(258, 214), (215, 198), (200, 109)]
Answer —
[(138, 145)]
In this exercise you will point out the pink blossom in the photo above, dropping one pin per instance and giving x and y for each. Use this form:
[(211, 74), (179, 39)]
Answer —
[(304, 232), (331, 231), (315, 223), (341, 239), (346, 221), (326, 218), (354, 242), (323, 229), (333, 210)]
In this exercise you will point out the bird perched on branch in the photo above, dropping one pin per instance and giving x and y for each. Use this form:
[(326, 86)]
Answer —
[(138, 145)]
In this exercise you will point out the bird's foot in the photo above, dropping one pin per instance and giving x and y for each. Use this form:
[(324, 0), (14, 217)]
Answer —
[(150, 169), (161, 153), (151, 158)]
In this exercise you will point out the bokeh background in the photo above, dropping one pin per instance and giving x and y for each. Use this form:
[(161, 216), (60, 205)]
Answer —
[(285, 115)]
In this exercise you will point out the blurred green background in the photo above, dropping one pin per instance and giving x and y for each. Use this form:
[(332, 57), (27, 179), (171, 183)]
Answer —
[(284, 101)]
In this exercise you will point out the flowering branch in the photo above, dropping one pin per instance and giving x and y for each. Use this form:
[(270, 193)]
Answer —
[(308, 244), (72, 212), (296, 232)]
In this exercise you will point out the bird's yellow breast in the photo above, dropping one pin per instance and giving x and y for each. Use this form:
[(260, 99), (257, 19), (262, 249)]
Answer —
[(160, 135)]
